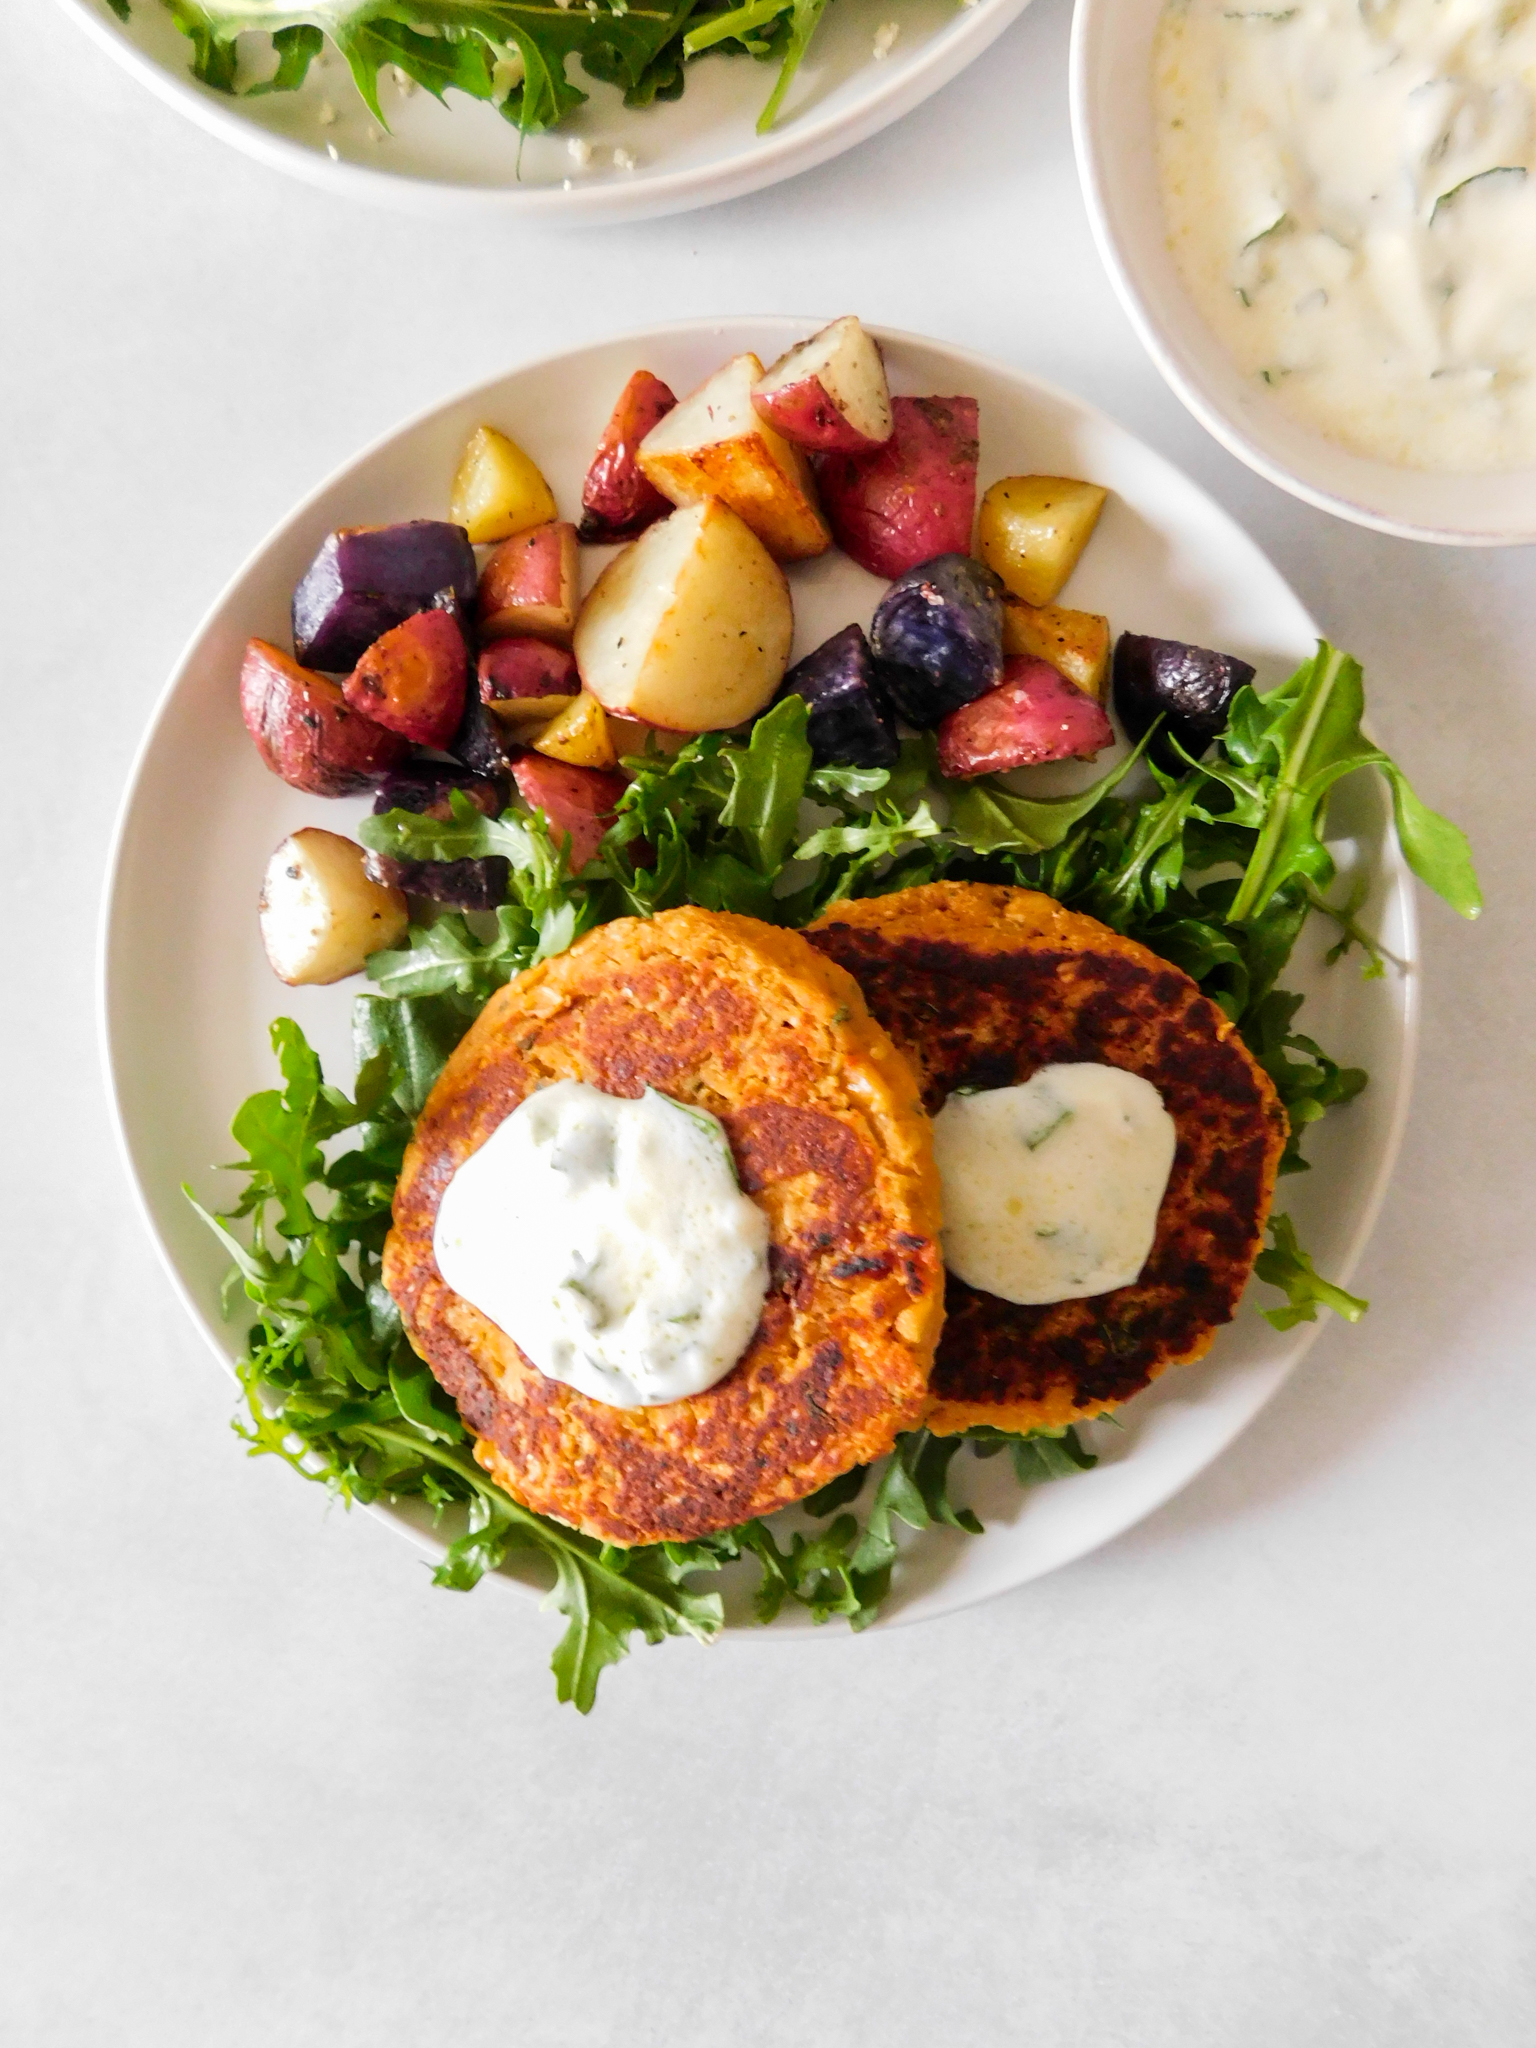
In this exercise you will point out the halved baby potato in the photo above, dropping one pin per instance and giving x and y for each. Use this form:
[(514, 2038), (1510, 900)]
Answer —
[(714, 445), (1076, 643), (1032, 529), (497, 489), (321, 913), (690, 627)]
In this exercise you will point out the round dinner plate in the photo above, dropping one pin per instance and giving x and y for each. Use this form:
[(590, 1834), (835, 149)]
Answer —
[(464, 158), (187, 995)]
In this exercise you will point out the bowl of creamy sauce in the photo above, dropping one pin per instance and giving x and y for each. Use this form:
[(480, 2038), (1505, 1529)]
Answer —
[(1321, 215)]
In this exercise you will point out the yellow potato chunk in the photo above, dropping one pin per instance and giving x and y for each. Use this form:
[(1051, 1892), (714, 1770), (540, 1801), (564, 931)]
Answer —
[(497, 489), (1074, 643), (1031, 530), (579, 735)]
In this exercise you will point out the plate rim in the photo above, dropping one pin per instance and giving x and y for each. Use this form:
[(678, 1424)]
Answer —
[(801, 145), (1410, 999)]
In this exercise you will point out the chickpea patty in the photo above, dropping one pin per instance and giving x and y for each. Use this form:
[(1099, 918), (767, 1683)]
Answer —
[(980, 986), (754, 1025)]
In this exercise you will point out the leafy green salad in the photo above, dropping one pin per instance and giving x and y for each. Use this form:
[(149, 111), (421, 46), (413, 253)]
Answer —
[(510, 53), (1217, 867)]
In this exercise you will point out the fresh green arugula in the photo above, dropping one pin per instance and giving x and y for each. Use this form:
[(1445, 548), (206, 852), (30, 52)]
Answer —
[(333, 1388), (1217, 868), (512, 53)]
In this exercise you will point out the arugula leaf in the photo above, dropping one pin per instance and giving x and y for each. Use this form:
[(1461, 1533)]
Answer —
[(548, 913), (333, 1389), (1286, 1266), (1043, 1454), (991, 819), (297, 48), (416, 1034), (511, 52), (1306, 736), (1308, 1088), (768, 777)]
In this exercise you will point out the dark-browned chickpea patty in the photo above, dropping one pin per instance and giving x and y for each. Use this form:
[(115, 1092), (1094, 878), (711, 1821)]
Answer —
[(980, 987)]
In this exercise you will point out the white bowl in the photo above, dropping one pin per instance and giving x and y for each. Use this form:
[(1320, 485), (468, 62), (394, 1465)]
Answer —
[(1112, 128), (464, 159)]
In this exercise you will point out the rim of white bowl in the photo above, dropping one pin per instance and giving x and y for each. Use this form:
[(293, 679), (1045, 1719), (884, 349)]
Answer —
[(1091, 23), (1364, 1222), (801, 145)]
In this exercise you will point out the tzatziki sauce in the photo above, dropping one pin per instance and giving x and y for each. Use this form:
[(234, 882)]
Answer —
[(1349, 188), (1051, 1189), (610, 1239)]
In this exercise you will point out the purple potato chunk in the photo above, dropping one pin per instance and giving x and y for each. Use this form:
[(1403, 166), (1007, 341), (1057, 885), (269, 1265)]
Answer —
[(482, 742), (427, 787), (367, 579), (938, 638), (850, 722), (1192, 687)]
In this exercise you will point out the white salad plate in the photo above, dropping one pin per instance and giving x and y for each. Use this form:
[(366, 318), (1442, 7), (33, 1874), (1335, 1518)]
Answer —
[(463, 158), (1114, 133), (187, 995)]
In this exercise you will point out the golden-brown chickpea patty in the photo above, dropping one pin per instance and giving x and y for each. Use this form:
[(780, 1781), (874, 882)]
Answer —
[(981, 986), (754, 1025)]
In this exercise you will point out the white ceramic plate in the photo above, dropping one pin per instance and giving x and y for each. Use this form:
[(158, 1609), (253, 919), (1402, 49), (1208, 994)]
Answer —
[(188, 996), (464, 158), (1113, 132)]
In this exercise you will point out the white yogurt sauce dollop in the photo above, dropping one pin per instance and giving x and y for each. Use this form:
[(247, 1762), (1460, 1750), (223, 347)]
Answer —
[(1350, 193), (610, 1240), (1051, 1189)]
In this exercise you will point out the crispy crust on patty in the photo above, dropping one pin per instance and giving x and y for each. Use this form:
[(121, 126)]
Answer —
[(753, 1024), (980, 986)]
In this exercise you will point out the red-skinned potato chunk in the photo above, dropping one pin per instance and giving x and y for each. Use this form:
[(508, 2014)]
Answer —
[(829, 393), (1033, 715), (617, 500), (321, 912), (527, 679), (531, 585), (306, 731), (578, 802), (412, 679), (713, 445), (913, 498)]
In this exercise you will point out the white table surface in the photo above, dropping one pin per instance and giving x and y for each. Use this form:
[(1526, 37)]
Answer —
[(1259, 1774)]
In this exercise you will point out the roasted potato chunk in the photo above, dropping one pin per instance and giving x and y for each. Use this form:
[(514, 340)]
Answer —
[(578, 802), (617, 500), (912, 498), (412, 679), (1034, 715), (1032, 529), (578, 733), (690, 627), (1077, 643), (829, 393), (321, 913), (714, 445), (306, 731), (498, 490), (531, 585)]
